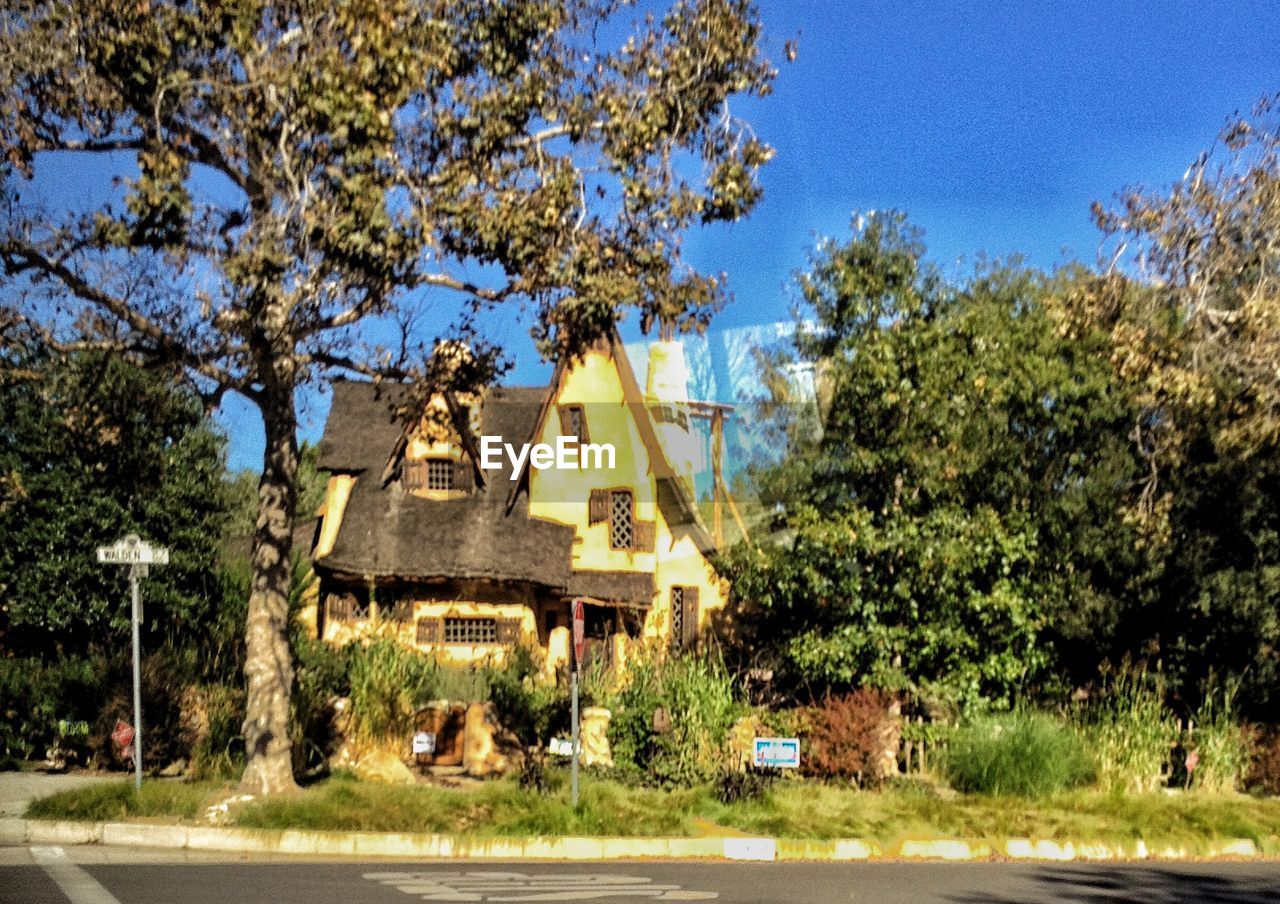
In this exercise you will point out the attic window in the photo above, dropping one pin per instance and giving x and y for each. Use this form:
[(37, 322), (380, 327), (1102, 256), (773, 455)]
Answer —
[(573, 422), (439, 474), (622, 533)]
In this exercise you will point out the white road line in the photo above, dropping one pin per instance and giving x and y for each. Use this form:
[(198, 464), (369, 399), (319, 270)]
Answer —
[(75, 883), (447, 885)]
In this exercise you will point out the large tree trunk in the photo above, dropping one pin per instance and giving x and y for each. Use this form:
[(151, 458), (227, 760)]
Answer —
[(268, 663)]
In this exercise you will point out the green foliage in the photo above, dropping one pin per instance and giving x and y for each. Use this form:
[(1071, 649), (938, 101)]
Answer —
[(100, 449), (1219, 743), (532, 709), (389, 683), (699, 697), (946, 508), (114, 801), (1021, 753), (1129, 730), (35, 696)]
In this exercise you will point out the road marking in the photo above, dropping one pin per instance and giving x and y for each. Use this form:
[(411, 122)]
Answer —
[(496, 886), (75, 883)]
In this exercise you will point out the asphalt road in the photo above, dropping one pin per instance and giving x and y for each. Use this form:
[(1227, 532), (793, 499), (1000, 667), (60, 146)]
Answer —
[(103, 876)]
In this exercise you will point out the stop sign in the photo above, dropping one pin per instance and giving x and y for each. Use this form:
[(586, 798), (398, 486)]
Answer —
[(579, 631)]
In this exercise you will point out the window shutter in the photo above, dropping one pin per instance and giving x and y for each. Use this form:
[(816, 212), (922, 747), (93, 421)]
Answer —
[(566, 421), (413, 474), (429, 630), (463, 474), (690, 616), (645, 536), (598, 507), (509, 631)]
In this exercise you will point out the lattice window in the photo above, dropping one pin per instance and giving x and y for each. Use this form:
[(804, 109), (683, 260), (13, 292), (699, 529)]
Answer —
[(439, 474), (677, 616), (622, 532), (470, 630), (573, 422), (348, 606)]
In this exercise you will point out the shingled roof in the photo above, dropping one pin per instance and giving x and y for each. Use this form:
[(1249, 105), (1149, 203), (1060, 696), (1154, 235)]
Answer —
[(389, 532)]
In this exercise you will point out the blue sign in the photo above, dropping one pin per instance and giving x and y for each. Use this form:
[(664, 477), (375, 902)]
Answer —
[(777, 753)]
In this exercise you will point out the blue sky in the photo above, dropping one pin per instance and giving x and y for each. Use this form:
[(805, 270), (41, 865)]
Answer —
[(993, 125)]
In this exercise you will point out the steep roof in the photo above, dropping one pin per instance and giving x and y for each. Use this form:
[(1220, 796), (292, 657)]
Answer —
[(389, 532)]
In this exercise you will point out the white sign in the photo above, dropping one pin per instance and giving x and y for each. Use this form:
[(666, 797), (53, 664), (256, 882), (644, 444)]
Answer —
[(424, 742), (776, 753), (560, 747), (133, 551)]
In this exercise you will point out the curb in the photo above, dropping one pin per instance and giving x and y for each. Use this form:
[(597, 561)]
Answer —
[(431, 846)]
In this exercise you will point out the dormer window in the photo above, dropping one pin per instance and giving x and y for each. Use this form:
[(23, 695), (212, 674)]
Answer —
[(573, 422), (439, 474), (429, 474)]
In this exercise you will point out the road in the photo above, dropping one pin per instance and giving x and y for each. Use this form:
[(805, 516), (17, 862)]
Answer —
[(97, 875)]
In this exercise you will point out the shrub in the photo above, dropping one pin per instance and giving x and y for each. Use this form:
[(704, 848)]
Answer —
[(1263, 776), (737, 785), (1219, 744), (698, 695), (389, 682), (531, 709), (319, 679), (36, 695), (219, 753), (849, 737), (1129, 730), (1023, 753)]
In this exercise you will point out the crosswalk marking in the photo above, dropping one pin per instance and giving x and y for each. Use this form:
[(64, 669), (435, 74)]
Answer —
[(446, 885), (75, 883)]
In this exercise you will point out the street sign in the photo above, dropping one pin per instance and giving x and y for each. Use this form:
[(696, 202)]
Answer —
[(122, 734), (135, 552), (579, 632), (776, 753), (132, 550)]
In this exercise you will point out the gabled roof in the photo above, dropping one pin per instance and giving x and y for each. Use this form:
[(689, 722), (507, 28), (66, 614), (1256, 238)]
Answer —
[(674, 498), (389, 532)]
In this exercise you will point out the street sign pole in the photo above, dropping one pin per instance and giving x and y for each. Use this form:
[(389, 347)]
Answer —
[(137, 554), (135, 618), (579, 632)]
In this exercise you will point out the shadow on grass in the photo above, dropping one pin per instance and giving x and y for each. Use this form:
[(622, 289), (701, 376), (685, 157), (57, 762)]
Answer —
[(1228, 883)]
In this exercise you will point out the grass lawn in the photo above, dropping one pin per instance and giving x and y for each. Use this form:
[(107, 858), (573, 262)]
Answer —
[(798, 810)]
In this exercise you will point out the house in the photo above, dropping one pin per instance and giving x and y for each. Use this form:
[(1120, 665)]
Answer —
[(444, 537)]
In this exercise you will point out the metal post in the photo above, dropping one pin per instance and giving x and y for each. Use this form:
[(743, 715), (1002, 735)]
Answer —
[(574, 767), (137, 677)]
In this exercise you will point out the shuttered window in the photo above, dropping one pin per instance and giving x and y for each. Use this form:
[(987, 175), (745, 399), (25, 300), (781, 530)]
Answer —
[(622, 534), (471, 630), (573, 422), (439, 474), (684, 616)]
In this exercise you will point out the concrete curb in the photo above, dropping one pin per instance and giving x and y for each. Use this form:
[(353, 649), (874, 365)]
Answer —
[(430, 846)]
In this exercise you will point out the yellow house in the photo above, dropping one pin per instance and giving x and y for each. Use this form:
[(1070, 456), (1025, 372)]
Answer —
[(447, 536)]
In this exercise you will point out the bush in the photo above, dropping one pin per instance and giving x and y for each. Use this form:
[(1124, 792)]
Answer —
[(1219, 744), (850, 735), (219, 752), (1129, 730), (389, 683), (531, 709), (1024, 753), (1263, 776), (319, 679), (698, 696), (35, 696)]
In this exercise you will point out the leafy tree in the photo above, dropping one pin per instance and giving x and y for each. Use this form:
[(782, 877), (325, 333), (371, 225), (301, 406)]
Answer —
[(1191, 315), (97, 448), (293, 172), (952, 510)]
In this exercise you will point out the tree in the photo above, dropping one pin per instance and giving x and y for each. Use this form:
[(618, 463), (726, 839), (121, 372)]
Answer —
[(97, 448), (294, 171), (952, 512)]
